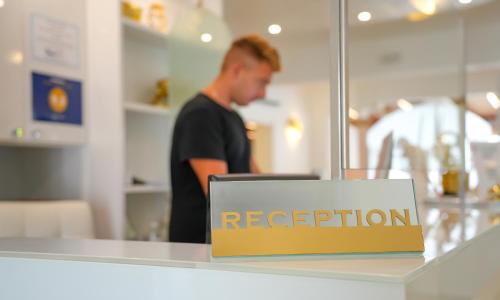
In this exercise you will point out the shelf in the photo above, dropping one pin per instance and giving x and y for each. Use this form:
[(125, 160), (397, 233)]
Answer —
[(24, 142), (141, 32), (454, 202), (146, 109), (145, 189)]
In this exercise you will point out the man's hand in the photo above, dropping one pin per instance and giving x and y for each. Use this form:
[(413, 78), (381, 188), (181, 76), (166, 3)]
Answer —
[(254, 168), (204, 167)]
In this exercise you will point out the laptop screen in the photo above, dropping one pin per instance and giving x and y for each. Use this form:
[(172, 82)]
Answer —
[(256, 177)]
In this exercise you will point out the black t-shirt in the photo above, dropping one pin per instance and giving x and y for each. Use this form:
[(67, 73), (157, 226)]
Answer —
[(203, 129)]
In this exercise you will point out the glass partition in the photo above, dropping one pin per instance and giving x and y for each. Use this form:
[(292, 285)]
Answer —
[(482, 92), (406, 86), (424, 81)]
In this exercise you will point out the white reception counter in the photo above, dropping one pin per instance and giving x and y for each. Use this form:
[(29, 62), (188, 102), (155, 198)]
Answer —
[(104, 269)]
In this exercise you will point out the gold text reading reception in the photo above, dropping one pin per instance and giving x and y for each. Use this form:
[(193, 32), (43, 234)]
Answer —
[(321, 231)]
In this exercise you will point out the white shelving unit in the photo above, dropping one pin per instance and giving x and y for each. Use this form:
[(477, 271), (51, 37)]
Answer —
[(147, 131), (146, 109), (141, 32), (146, 189), (127, 136)]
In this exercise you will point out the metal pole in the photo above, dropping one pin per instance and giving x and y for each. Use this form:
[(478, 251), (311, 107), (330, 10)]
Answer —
[(462, 105), (339, 93)]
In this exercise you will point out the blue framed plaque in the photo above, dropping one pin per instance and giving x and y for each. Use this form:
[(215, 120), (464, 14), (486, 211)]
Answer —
[(56, 99)]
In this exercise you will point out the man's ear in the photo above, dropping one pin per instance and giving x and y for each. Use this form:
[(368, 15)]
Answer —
[(236, 69)]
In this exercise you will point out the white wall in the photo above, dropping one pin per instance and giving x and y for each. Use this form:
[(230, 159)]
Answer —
[(309, 102), (316, 98), (105, 155), (304, 57), (287, 157), (39, 173)]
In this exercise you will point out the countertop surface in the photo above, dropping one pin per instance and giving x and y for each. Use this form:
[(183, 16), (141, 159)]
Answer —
[(443, 238)]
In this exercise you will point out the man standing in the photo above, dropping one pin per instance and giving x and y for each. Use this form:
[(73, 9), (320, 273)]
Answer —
[(210, 137)]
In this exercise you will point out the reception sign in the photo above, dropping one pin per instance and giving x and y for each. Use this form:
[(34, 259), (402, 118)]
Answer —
[(313, 217)]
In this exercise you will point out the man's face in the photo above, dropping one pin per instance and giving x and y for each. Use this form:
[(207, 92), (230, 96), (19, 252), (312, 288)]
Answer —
[(251, 82)]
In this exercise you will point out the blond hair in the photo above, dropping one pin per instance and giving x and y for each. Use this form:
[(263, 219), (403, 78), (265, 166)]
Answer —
[(256, 47)]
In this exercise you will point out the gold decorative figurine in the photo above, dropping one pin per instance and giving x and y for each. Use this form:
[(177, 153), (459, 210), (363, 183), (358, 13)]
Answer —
[(131, 11), (494, 193), (494, 198), (161, 94), (157, 18)]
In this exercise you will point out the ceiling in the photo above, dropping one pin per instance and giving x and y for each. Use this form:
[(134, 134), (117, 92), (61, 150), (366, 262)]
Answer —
[(303, 42), (305, 16), (305, 24), (295, 16)]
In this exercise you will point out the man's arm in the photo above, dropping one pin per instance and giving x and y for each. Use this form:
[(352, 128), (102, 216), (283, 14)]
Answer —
[(204, 167)]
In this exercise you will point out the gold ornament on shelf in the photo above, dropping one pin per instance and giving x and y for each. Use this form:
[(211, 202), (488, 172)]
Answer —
[(494, 193), (131, 11), (161, 93), (451, 182), (494, 196), (448, 153), (157, 18)]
